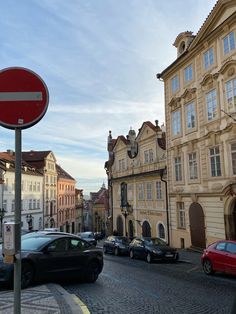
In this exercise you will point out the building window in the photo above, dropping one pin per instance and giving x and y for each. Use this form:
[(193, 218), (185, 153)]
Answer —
[(233, 156), (229, 43), (215, 162), (149, 191), (161, 231), (190, 116), (38, 204), (13, 205), (181, 215), (175, 83), (192, 162), (188, 73), (4, 205), (140, 191), (148, 156), (159, 190), (230, 87), (30, 204), (178, 168), (208, 58), (121, 164), (211, 103), (130, 192), (176, 123)]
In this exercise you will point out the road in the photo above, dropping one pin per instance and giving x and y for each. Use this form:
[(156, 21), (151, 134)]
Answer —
[(134, 286)]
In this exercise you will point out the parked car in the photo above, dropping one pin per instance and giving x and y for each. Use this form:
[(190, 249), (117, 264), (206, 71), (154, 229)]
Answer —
[(152, 249), (117, 245), (99, 235), (88, 236), (54, 256), (220, 256)]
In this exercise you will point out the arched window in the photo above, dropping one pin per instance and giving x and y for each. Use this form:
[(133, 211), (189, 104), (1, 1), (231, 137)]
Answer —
[(161, 231)]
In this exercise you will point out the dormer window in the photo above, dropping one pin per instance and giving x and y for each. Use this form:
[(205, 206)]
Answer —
[(182, 47)]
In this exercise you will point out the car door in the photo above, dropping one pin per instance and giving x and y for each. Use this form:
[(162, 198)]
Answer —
[(53, 261), (230, 258), (140, 248), (217, 256), (77, 255)]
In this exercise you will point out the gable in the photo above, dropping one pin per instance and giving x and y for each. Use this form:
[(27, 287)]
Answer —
[(120, 144), (219, 14), (145, 132)]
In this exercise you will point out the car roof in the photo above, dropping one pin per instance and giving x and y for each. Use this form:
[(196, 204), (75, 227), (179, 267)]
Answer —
[(44, 233)]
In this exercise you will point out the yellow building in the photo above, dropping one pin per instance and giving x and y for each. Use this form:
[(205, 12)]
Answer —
[(200, 106), (136, 172)]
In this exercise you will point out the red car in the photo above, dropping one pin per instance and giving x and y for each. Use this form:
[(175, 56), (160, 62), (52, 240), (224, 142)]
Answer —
[(220, 256)]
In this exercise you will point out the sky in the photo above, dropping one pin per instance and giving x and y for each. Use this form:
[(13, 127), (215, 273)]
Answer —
[(99, 60)]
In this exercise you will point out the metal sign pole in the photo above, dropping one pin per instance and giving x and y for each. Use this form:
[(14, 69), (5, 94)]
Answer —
[(17, 263)]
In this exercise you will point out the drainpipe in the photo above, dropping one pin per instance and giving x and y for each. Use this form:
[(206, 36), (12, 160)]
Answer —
[(167, 206)]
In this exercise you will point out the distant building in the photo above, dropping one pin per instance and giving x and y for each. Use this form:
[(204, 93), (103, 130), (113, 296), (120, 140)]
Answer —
[(31, 196), (45, 163), (79, 206), (200, 106), (66, 211), (136, 171)]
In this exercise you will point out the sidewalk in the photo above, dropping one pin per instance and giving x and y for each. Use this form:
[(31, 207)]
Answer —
[(43, 299)]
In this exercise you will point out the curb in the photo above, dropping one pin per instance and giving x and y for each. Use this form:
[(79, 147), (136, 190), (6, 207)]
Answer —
[(74, 303)]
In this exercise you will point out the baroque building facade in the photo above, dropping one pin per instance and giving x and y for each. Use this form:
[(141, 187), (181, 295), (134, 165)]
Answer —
[(200, 108), (136, 171)]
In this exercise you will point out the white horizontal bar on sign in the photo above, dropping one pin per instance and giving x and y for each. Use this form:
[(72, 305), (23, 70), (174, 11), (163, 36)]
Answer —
[(20, 96)]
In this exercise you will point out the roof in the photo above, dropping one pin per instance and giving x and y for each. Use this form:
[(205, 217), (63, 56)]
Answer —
[(63, 174), (35, 155)]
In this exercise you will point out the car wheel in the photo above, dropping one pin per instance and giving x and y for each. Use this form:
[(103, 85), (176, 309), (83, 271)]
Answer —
[(27, 274), (207, 267), (149, 257), (131, 254), (93, 272), (104, 250), (116, 252)]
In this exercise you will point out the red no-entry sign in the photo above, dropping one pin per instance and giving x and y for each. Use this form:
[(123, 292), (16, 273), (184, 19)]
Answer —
[(23, 98)]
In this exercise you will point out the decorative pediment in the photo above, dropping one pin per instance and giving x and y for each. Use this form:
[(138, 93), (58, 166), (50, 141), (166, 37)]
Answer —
[(189, 94), (175, 103), (228, 68), (209, 79)]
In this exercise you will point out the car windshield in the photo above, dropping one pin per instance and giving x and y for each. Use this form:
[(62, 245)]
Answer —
[(122, 240), (34, 243), (154, 241), (86, 235)]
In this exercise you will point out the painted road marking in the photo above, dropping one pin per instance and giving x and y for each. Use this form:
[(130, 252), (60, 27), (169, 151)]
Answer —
[(83, 307), (20, 96), (192, 269)]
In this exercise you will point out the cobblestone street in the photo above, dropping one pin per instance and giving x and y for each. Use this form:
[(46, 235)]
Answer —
[(133, 286)]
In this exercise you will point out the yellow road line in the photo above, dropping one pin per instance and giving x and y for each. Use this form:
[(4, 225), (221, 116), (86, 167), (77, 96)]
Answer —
[(83, 307)]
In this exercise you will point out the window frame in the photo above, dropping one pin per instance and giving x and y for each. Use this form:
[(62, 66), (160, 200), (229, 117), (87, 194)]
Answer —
[(188, 73), (208, 58), (232, 91), (181, 215), (178, 168), (211, 105), (228, 44), (175, 84), (176, 123), (193, 124), (215, 160), (193, 167)]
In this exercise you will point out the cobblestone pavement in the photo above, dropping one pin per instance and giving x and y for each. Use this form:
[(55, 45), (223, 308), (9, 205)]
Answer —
[(133, 286), (40, 299)]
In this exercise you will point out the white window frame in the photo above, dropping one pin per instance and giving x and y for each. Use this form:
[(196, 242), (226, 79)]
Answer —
[(149, 191), (176, 123), (208, 58), (211, 104), (140, 191), (178, 168), (181, 215), (230, 93), (188, 73), (229, 43), (193, 166), (175, 83), (190, 114), (215, 161), (159, 190)]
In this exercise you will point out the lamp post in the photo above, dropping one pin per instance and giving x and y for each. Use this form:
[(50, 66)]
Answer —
[(2, 213), (126, 210), (29, 220)]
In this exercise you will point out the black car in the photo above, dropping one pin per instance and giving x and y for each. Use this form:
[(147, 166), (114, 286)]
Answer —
[(152, 249), (88, 236), (116, 244), (54, 257)]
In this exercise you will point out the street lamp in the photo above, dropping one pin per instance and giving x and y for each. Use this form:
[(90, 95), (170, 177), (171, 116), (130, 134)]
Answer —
[(126, 210), (29, 220), (2, 214)]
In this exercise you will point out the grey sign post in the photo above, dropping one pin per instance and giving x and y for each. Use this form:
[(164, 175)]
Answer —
[(23, 102)]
